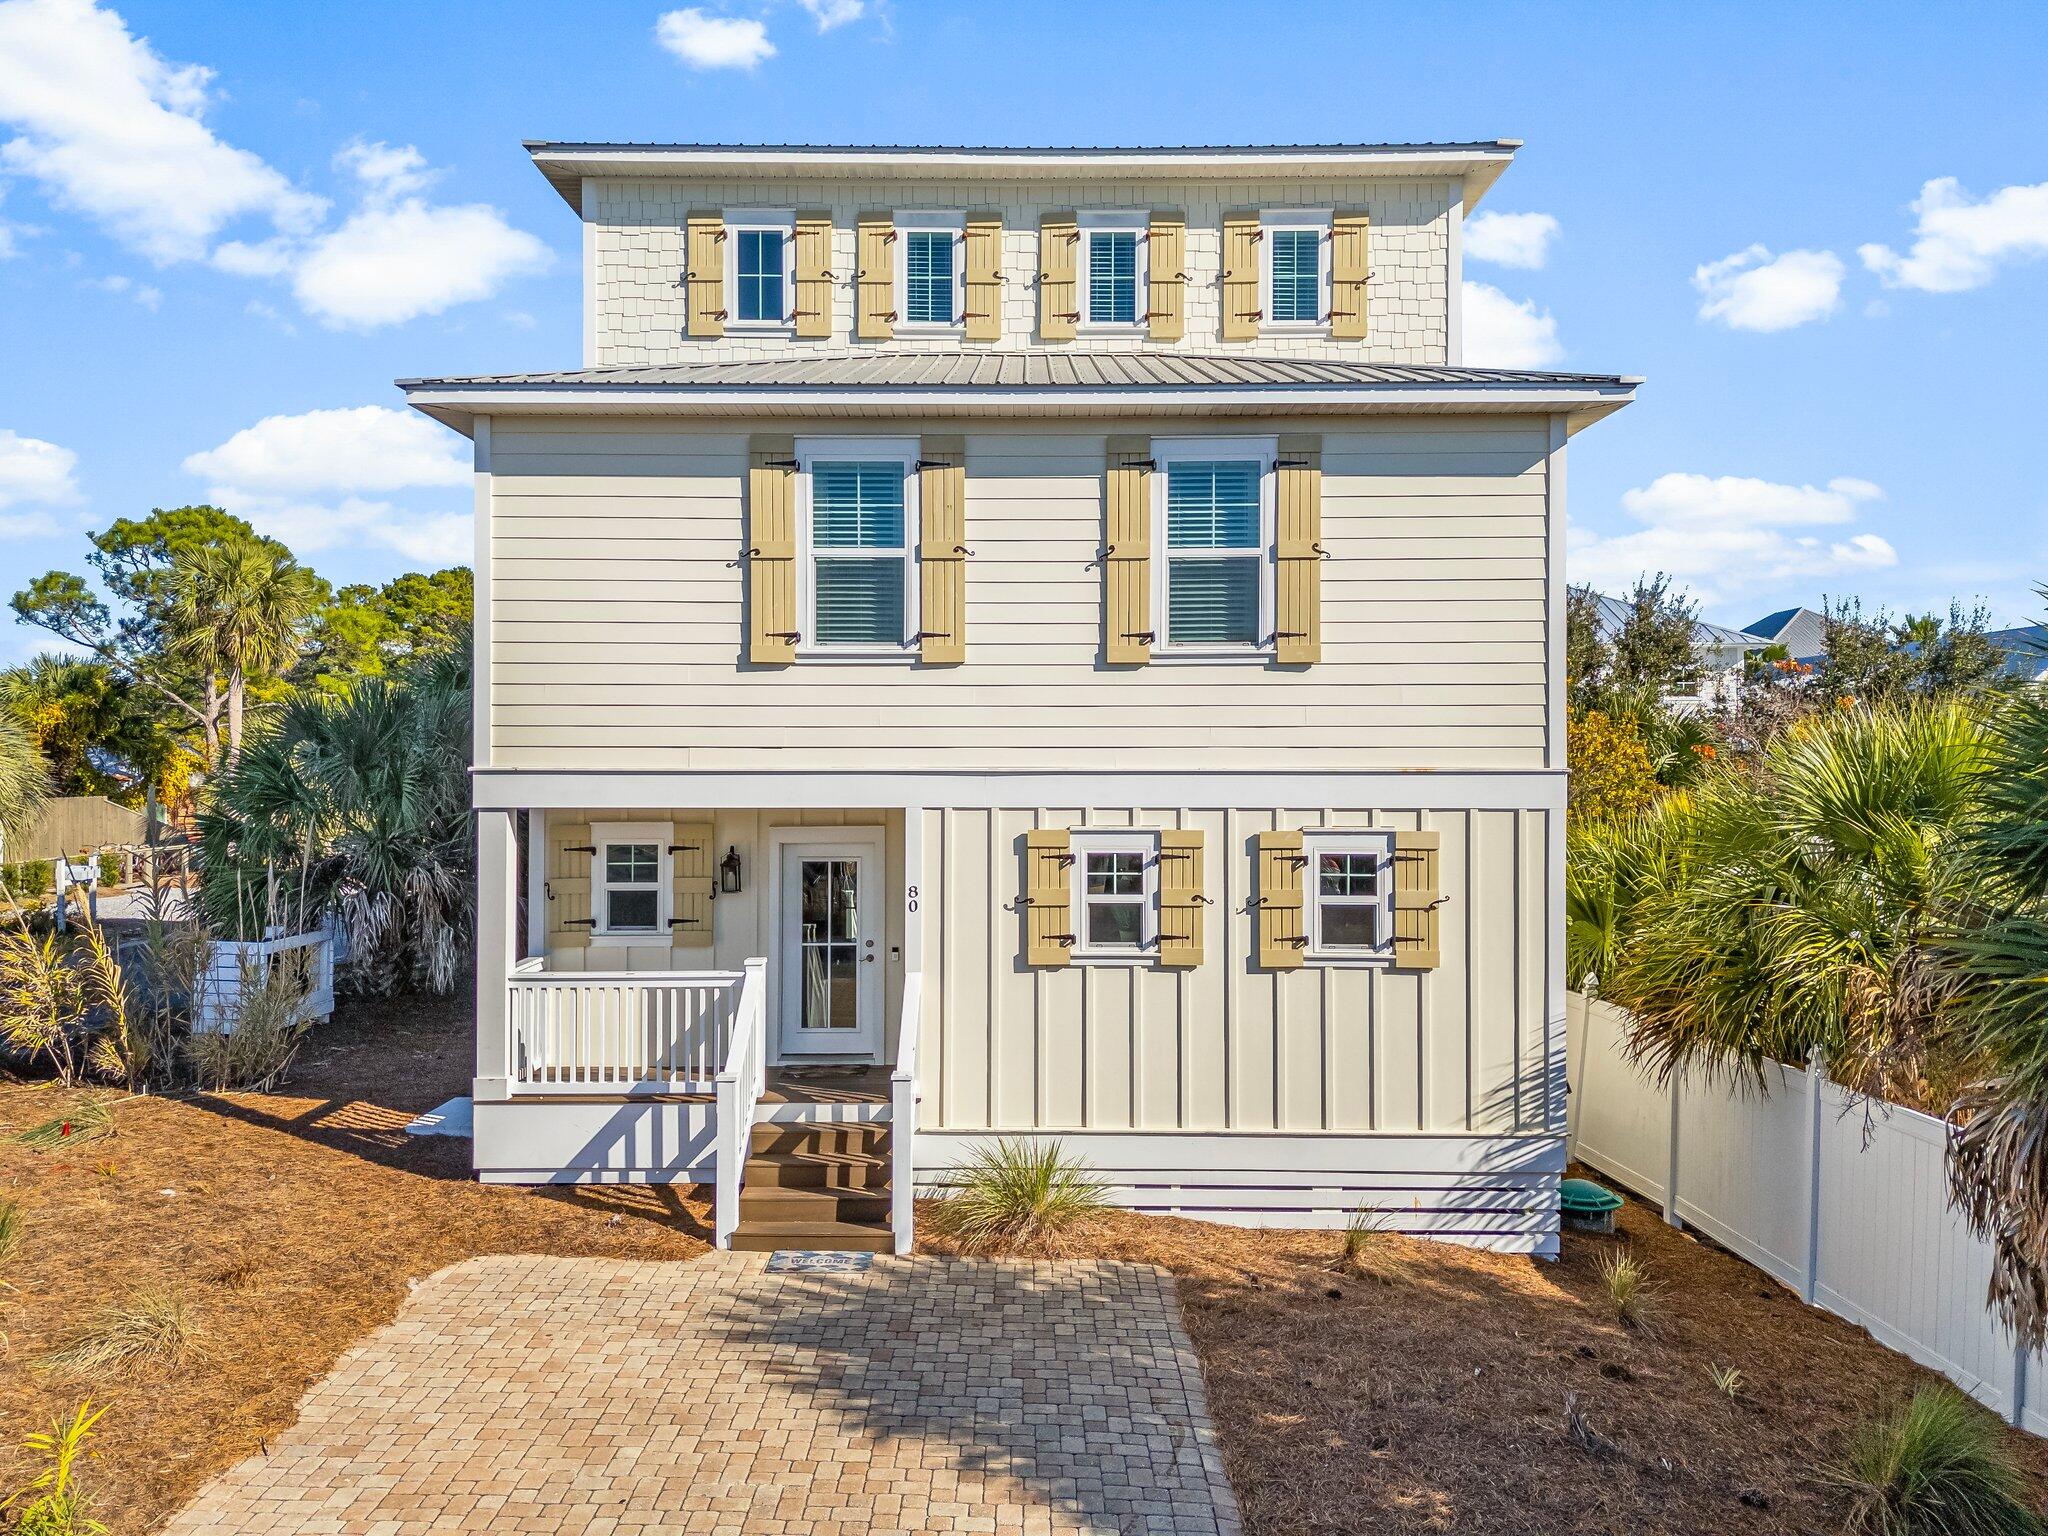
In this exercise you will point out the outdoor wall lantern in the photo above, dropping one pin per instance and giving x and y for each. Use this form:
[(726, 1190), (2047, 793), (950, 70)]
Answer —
[(729, 873)]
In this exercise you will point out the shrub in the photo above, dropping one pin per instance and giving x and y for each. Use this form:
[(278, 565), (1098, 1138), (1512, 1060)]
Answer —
[(56, 1504), (1611, 773), (151, 1325), (29, 879), (263, 1030), (1938, 1466), (1627, 1283), (1015, 1194)]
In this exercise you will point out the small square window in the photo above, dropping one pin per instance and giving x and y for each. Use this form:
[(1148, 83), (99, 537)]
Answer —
[(628, 899), (1116, 891), (1349, 915)]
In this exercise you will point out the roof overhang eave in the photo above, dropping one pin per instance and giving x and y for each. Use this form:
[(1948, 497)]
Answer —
[(458, 405)]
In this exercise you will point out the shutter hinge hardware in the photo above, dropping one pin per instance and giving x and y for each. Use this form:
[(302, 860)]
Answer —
[(581, 849), (931, 634), (1146, 635), (935, 464), (579, 922), (782, 464), (686, 922), (1068, 314), (1294, 463), (1151, 464), (685, 847), (1290, 634), (791, 635)]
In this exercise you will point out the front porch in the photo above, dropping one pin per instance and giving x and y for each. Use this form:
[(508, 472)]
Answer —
[(613, 1047)]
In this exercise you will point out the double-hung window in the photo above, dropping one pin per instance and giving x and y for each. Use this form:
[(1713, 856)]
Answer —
[(1214, 519), (1114, 269), (859, 519), (760, 267), (931, 270), (1350, 880), (1296, 270), (629, 881), (1116, 895)]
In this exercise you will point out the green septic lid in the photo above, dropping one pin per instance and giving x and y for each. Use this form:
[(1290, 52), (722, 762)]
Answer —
[(1582, 1197)]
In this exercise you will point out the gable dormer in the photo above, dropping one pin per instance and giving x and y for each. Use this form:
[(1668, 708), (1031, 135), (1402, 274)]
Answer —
[(697, 253)]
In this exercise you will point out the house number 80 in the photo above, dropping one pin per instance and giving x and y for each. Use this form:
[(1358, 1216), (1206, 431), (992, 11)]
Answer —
[(910, 898)]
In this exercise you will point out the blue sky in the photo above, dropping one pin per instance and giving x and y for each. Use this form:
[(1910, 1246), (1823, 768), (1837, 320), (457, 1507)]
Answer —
[(1818, 230)]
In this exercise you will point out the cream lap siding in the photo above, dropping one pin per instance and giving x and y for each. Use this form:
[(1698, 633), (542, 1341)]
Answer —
[(639, 260), (1225, 1046), (617, 621)]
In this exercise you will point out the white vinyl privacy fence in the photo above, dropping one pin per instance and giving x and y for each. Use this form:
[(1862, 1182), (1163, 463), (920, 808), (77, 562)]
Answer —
[(1844, 1201)]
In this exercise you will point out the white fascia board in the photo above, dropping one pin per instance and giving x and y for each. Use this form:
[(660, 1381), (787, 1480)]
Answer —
[(769, 788), (450, 403)]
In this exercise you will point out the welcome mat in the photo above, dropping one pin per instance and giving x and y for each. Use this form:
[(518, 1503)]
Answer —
[(817, 1261)]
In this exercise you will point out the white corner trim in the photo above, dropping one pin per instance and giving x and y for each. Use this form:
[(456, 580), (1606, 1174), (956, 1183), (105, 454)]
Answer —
[(480, 619), (1454, 296)]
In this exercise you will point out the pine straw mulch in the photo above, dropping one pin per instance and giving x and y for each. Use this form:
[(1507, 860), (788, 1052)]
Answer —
[(290, 1224), (1430, 1395)]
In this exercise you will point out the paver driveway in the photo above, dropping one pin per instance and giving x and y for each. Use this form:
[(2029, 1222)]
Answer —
[(524, 1394)]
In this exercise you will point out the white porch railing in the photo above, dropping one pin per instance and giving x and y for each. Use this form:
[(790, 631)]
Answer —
[(740, 1080), (619, 1031), (903, 1114)]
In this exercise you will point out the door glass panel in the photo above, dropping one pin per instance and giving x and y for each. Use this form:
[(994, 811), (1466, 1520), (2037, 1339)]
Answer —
[(830, 918)]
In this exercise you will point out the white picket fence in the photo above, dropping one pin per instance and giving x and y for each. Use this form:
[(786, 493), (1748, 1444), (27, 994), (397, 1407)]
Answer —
[(1842, 1200)]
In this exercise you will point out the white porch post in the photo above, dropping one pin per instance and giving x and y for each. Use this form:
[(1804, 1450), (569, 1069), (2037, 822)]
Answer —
[(497, 925), (536, 884)]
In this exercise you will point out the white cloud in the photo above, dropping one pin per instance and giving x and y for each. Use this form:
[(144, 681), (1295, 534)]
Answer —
[(1756, 291), (148, 296), (319, 480), (111, 128), (364, 448), (387, 172), (1501, 332), (1510, 239), (834, 13), (1959, 243), (713, 42), (1723, 535), (35, 473), (395, 262)]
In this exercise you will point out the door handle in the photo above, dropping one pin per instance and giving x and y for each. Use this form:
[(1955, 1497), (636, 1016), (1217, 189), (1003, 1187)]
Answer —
[(867, 959)]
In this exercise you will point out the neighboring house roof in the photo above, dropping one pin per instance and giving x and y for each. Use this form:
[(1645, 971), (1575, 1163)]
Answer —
[(1801, 631), (1476, 163), (2026, 651), (1614, 612), (1023, 383)]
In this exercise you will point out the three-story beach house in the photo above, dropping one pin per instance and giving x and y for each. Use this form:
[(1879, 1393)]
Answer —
[(1032, 643)]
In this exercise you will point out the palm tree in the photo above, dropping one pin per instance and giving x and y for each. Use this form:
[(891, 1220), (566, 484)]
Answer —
[(24, 781), (358, 804), (1804, 908), (239, 609), (1998, 1140)]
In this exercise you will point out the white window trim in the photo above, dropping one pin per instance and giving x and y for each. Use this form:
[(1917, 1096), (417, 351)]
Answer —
[(1089, 221), (783, 222), (602, 835), (1086, 840), (901, 450), (1164, 452), (1317, 841), (909, 223), (1322, 221)]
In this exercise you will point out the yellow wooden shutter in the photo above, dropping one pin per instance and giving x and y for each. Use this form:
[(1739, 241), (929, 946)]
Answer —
[(1059, 300), (704, 274), (942, 548), (689, 923), (1418, 896), (984, 258), (771, 549), (1298, 573), (1241, 314), (1282, 935), (876, 278), (568, 883), (1127, 553), (1167, 279), (813, 314), (1181, 897), (1048, 897), (1350, 267)]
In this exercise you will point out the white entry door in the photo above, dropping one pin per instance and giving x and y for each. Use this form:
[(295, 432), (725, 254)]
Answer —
[(830, 954)]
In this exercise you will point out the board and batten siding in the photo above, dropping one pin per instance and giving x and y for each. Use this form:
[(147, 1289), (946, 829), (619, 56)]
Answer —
[(1465, 1049), (617, 606), (634, 262)]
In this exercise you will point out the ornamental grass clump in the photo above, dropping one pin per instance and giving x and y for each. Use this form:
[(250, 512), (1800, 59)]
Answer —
[(150, 1326), (1017, 1194), (1937, 1466), (1626, 1280)]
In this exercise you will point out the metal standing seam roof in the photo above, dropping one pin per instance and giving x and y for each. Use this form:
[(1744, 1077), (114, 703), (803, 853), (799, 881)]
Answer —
[(1027, 370), (995, 151), (1614, 613)]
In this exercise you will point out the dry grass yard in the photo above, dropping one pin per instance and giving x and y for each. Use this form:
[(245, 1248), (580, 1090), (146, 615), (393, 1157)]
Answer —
[(247, 1240)]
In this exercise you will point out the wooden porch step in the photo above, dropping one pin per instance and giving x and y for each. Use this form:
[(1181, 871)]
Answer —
[(817, 1170), (820, 1137), (857, 1236), (771, 1205)]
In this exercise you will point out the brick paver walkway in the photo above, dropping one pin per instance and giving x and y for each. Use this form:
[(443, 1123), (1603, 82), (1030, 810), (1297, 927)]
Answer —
[(543, 1395)]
